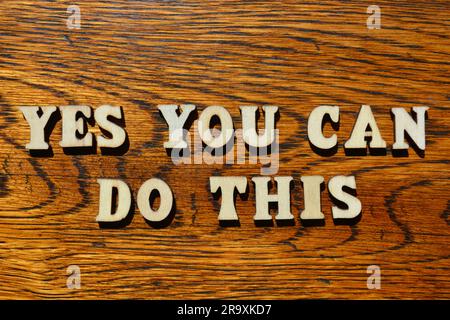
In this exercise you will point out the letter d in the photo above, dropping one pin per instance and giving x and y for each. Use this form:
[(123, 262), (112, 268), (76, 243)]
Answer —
[(105, 213)]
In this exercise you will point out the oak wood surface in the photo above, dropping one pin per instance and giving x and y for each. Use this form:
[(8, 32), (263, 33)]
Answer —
[(293, 54)]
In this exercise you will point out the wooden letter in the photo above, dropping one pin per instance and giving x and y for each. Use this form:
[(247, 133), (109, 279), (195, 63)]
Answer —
[(227, 186), (335, 186), (105, 202), (226, 122), (358, 137), (118, 134), (176, 124), (315, 121), (283, 198), (37, 126), (311, 191), (404, 122), (251, 136), (143, 200), (73, 125)]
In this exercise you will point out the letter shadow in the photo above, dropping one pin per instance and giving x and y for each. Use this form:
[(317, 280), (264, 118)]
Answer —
[(285, 222), (342, 205), (78, 151), (168, 220), (363, 151), (54, 118), (264, 223), (313, 222), (122, 223)]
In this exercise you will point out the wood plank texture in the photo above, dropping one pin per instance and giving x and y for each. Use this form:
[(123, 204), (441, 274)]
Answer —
[(293, 54)]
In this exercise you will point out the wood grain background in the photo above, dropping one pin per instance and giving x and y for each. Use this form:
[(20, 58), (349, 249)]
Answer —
[(293, 54)]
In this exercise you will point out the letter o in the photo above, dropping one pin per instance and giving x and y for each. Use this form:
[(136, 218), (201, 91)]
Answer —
[(226, 123), (165, 194)]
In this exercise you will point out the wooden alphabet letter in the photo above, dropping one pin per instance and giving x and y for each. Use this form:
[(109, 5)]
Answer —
[(143, 200), (227, 185), (105, 201), (176, 124), (250, 134), (404, 122), (358, 137), (315, 121), (226, 122), (118, 134), (335, 187), (37, 126), (73, 124), (311, 191), (283, 198)]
